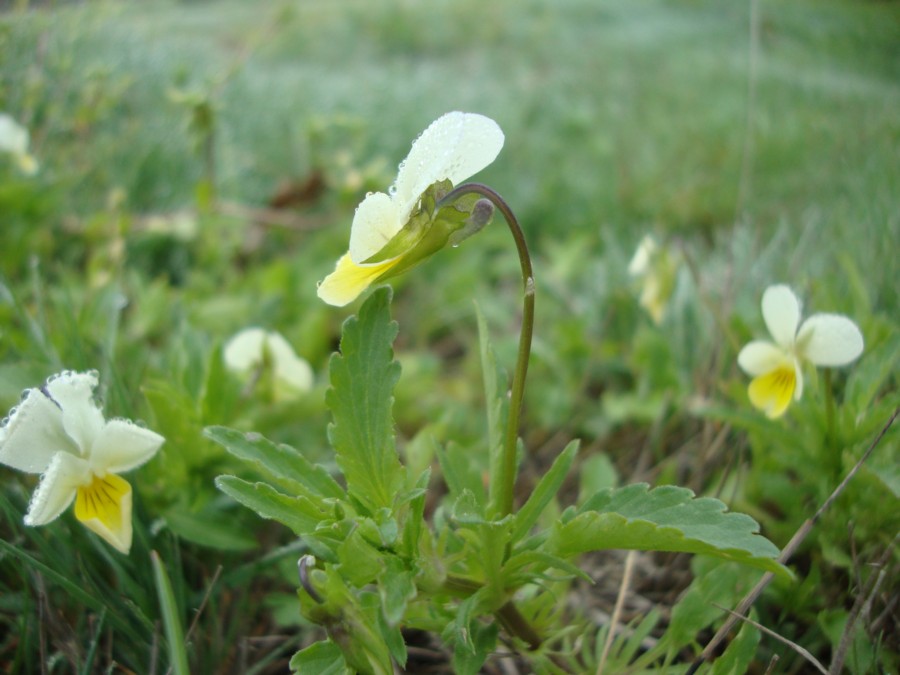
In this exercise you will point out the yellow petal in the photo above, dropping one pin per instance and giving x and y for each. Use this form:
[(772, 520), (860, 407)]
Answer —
[(104, 507), (772, 391), (348, 280)]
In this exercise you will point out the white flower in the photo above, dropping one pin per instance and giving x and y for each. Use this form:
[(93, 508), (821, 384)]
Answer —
[(14, 140), (254, 348), (454, 147), (58, 431), (656, 268), (776, 367)]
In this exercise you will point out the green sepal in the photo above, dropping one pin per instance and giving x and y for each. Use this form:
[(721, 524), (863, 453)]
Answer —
[(666, 518), (363, 376)]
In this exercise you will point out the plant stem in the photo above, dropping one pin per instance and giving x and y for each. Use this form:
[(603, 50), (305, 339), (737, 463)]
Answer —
[(504, 500), (833, 459)]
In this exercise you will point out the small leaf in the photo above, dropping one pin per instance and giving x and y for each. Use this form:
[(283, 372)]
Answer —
[(397, 587), (667, 518), (283, 463), (363, 376), (298, 513), (320, 658), (544, 492)]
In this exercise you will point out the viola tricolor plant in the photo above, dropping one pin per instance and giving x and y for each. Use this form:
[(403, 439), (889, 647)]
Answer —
[(776, 366), (478, 569), (254, 354), (58, 431)]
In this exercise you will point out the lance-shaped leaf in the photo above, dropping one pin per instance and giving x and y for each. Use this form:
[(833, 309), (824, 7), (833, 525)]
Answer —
[(666, 518), (290, 469), (363, 376), (298, 513)]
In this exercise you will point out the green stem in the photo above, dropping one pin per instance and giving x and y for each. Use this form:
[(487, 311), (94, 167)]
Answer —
[(831, 445), (508, 615), (506, 489)]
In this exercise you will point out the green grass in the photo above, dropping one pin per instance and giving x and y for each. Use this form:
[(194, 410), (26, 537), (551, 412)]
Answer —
[(621, 118)]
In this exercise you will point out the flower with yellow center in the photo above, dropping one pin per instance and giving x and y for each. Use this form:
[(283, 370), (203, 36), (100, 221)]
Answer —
[(254, 350), (656, 268), (776, 367), (390, 231), (59, 432)]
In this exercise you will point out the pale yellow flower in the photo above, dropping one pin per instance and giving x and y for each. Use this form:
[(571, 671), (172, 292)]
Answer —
[(59, 432), (656, 268), (14, 139), (254, 348), (776, 366), (452, 148)]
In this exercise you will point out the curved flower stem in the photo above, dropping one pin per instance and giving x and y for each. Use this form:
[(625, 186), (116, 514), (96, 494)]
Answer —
[(504, 500)]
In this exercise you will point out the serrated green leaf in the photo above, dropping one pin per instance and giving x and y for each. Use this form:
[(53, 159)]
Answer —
[(363, 376), (666, 518), (320, 658), (298, 513), (287, 466), (544, 492)]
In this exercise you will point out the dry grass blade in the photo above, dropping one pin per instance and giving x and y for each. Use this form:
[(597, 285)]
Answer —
[(617, 610)]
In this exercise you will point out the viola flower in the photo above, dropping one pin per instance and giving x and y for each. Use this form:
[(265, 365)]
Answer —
[(776, 367), (393, 231), (14, 140), (59, 432), (254, 348), (656, 268)]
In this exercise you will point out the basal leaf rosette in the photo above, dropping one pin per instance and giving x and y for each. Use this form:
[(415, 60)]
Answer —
[(393, 231)]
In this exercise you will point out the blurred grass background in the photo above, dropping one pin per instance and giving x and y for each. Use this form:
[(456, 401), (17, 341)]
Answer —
[(760, 139)]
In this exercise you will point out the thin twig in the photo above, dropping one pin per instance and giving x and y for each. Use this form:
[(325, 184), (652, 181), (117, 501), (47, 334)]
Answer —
[(617, 610), (786, 554), (793, 645)]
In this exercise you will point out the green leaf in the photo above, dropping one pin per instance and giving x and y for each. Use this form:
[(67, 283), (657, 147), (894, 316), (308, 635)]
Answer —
[(320, 658), (298, 513), (283, 463), (363, 376), (171, 621), (397, 587), (666, 518), (213, 531), (737, 658), (544, 492), (460, 472), (495, 402)]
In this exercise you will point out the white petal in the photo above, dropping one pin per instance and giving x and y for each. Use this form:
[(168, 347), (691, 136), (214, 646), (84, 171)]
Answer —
[(781, 312), (74, 392), (57, 488), (13, 136), (289, 368), (829, 340), (34, 433), (453, 147), (245, 350), (121, 446), (760, 357), (641, 259), (376, 221)]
